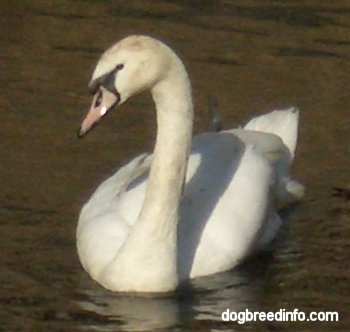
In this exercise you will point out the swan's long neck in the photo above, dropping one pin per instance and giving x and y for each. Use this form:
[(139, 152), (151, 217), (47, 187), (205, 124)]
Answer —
[(174, 121), (151, 247)]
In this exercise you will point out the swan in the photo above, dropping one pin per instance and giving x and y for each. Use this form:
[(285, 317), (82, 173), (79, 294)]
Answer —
[(194, 207)]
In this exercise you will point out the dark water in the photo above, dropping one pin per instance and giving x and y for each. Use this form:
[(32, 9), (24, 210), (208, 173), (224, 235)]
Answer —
[(253, 56)]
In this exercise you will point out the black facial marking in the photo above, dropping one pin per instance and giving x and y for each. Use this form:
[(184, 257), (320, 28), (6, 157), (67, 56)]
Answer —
[(106, 80), (98, 99), (119, 67)]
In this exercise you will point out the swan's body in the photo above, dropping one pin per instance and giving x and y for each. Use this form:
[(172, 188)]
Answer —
[(188, 210)]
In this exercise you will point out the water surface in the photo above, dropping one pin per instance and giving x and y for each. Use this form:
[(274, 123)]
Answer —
[(252, 56)]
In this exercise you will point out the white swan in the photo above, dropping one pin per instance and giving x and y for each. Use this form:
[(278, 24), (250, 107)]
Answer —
[(187, 210)]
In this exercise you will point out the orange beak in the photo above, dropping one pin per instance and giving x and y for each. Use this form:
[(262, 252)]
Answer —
[(102, 102)]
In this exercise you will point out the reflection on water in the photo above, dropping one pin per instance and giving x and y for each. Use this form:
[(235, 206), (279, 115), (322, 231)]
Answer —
[(201, 301), (252, 56)]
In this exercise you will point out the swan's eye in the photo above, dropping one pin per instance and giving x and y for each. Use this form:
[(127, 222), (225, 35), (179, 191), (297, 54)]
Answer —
[(98, 99), (119, 67), (107, 81)]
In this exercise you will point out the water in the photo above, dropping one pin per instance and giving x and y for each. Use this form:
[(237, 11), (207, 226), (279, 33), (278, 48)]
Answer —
[(252, 56)]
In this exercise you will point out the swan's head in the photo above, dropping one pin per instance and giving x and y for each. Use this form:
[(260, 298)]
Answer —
[(132, 65)]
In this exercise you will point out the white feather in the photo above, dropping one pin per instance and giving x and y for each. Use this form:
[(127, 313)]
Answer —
[(141, 232)]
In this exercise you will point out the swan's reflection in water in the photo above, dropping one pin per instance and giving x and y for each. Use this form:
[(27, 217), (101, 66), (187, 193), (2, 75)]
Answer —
[(203, 300), (124, 313)]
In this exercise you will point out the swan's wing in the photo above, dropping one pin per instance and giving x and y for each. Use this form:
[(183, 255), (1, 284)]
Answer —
[(274, 136), (101, 228), (270, 146), (224, 203), (212, 156), (227, 209), (282, 123), (112, 188)]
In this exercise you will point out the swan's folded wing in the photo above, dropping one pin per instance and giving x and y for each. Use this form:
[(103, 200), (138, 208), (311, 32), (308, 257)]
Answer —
[(114, 186), (270, 146), (282, 123)]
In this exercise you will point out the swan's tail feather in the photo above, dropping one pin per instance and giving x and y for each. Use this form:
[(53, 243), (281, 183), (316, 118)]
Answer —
[(283, 123), (288, 191)]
